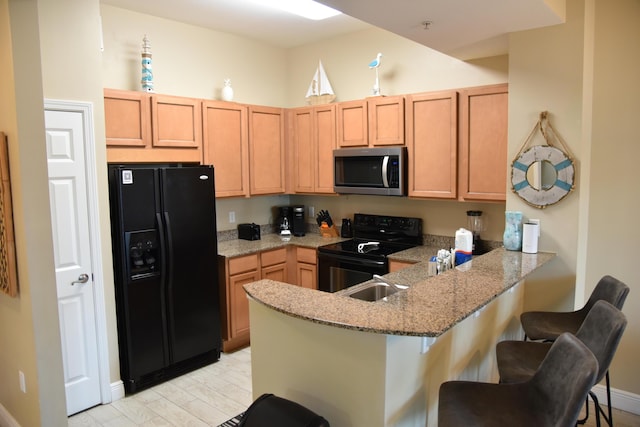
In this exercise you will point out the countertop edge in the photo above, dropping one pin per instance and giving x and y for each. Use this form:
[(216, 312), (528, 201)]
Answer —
[(430, 307)]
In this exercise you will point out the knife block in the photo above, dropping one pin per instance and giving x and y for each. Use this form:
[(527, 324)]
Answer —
[(326, 231)]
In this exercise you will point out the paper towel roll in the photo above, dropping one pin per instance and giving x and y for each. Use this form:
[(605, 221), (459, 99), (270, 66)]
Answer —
[(530, 238)]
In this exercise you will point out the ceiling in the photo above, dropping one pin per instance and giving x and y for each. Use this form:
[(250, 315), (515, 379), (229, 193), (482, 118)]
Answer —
[(462, 28)]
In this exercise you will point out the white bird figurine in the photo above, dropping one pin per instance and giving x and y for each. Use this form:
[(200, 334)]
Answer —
[(375, 64)]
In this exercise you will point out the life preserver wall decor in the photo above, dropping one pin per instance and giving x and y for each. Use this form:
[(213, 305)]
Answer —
[(542, 175)]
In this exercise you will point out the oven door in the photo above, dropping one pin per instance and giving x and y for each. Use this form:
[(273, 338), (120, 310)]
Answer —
[(337, 272)]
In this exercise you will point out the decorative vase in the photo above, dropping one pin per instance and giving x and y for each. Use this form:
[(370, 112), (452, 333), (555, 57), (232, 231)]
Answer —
[(227, 91), (512, 238)]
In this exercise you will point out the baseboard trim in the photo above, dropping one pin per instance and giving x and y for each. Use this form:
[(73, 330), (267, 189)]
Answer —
[(6, 420), (117, 391), (620, 399)]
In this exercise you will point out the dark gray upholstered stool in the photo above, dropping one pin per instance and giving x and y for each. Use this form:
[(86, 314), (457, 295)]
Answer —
[(548, 325), (600, 332), (272, 411), (553, 396)]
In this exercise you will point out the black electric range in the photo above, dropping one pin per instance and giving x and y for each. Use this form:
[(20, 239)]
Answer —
[(354, 261)]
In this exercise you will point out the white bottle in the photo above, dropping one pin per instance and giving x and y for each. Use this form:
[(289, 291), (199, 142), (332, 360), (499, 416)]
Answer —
[(530, 233), (464, 245)]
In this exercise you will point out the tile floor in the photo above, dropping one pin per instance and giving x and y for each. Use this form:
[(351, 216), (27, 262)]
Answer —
[(209, 397)]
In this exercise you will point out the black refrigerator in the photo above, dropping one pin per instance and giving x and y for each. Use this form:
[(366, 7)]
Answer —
[(163, 227)]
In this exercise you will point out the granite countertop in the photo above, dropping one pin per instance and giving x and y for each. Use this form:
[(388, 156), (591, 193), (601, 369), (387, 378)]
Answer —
[(238, 247), (430, 306)]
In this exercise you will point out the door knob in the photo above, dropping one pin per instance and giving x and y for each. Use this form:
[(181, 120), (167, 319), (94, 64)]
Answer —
[(83, 278)]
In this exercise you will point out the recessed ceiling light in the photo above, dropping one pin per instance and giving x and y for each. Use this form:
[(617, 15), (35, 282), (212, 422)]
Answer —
[(306, 8)]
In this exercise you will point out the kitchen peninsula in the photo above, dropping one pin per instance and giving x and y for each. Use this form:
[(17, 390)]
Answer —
[(360, 363)]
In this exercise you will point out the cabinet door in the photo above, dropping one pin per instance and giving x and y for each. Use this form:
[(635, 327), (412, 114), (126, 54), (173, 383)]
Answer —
[(386, 120), (352, 124), (266, 150), (239, 310), (177, 122), (302, 140), (483, 143), (306, 275), (276, 272), (313, 138), (432, 144), (226, 146), (127, 118), (325, 143)]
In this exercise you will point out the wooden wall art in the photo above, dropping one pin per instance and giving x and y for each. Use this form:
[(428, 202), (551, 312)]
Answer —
[(8, 268)]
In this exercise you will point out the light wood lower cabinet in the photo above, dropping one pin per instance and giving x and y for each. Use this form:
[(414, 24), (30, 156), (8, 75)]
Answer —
[(306, 269), (234, 274), (274, 264), (395, 265)]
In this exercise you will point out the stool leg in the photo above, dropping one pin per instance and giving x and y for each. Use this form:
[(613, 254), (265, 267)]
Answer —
[(586, 416)]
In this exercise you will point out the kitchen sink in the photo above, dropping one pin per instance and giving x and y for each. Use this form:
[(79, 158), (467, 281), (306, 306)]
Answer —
[(375, 291)]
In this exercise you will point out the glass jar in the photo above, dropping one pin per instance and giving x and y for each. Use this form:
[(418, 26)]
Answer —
[(512, 238)]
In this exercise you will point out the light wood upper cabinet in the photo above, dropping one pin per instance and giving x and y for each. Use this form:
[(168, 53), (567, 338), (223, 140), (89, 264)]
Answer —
[(177, 122), (313, 138), (140, 127), (352, 122), (226, 146), (266, 150), (386, 120), (127, 118), (483, 143), (376, 121), (431, 132)]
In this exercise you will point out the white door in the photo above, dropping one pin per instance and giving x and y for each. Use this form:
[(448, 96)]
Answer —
[(65, 139)]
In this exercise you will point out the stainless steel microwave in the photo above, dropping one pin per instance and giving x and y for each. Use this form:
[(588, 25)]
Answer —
[(378, 171)]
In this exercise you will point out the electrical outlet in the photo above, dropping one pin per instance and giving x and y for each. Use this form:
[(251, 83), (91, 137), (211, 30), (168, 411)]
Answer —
[(232, 217), (312, 212), (23, 383)]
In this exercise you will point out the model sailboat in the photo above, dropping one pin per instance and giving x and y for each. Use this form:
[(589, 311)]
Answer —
[(320, 90)]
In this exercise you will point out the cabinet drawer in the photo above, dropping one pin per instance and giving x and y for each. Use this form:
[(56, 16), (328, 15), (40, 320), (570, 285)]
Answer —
[(242, 264), (277, 256), (306, 255)]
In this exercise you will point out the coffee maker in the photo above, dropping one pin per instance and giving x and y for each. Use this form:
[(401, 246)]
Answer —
[(299, 225), (283, 223)]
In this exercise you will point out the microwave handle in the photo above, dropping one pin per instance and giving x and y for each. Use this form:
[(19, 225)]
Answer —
[(385, 165)]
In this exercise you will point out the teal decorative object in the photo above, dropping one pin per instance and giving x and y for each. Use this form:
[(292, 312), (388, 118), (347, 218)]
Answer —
[(512, 238), (147, 73)]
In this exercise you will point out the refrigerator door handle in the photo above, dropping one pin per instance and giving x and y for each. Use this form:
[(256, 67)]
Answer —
[(169, 277), (163, 247)]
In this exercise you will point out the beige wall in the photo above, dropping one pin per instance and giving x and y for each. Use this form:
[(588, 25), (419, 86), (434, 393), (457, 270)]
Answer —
[(585, 74), (189, 60), (548, 69), (29, 332), (611, 228)]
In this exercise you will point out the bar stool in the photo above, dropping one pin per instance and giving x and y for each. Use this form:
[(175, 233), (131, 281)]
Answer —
[(270, 410), (553, 396), (548, 325), (601, 332)]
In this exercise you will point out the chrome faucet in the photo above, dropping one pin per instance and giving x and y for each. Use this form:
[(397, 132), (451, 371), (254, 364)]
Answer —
[(383, 280)]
